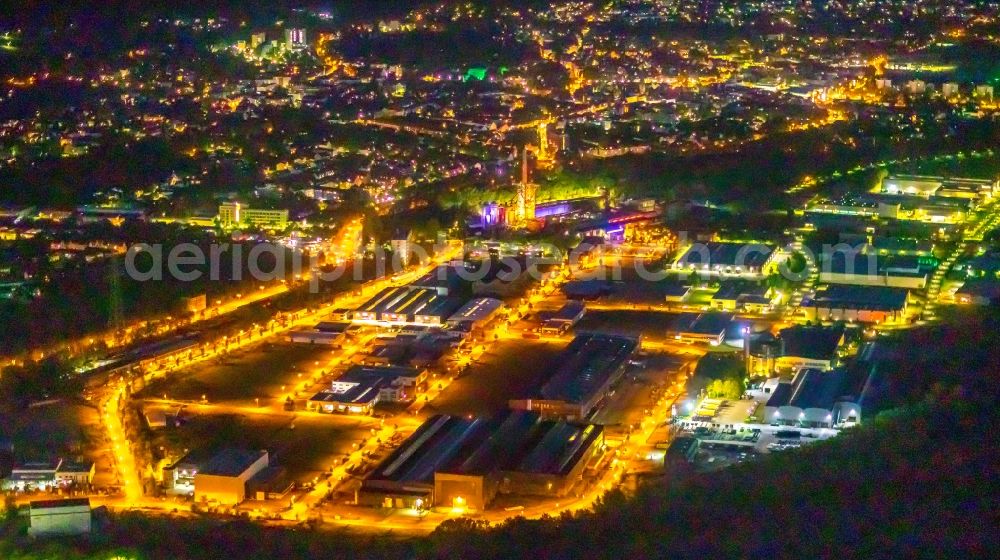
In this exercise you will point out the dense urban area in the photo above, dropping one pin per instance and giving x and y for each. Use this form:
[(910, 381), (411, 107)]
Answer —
[(485, 279)]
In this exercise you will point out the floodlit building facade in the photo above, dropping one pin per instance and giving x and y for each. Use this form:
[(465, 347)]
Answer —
[(223, 479), (60, 517), (234, 214)]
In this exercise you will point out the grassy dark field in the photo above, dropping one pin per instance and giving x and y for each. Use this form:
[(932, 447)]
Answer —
[(508, 370)]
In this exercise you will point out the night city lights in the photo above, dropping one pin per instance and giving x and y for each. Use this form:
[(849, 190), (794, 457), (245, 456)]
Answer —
[(493, 279)]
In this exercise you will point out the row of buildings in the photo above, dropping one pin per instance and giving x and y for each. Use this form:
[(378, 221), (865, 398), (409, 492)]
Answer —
[(915, 198), (855, 285), (408, 305), (727, 258), (45, 476), (862, 264)]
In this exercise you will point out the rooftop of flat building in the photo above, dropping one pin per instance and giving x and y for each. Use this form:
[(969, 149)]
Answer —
[(716, 253), (56, 504), (512, 441), (812, 342), (586, 364), (231, 462), (879, 298)]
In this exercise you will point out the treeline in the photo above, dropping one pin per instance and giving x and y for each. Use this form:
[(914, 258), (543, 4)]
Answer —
[(36, 381)]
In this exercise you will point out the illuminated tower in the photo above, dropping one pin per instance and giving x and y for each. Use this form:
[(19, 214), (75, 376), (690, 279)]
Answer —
[(542, 156), (543, 141), (526, 190)]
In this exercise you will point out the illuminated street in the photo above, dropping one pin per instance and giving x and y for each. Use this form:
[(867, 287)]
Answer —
[(492, 280)]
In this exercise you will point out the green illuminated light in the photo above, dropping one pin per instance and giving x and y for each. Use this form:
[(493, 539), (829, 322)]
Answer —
[(477, 73)]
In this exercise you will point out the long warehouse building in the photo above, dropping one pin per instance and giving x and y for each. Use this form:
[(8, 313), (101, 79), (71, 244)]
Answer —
[(464, 463), (587, 370), (407, 305)]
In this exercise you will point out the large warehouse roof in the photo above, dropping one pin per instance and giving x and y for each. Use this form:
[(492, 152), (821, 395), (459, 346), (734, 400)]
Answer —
[(843, 296), (231, 462), (512, 441), (586, 365), (476, 310), (750, 255), (434, 443), (812, 388), (557, 448), (812, 342), (404, 303)]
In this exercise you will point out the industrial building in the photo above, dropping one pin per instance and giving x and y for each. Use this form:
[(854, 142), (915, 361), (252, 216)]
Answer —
[(76, 473), (934, 200), (437, 311), (915, 185), (589, 366), (59, 517), (553, 460), (899, 246), (817, 398), (742, 295), (726, 258), (315, 336), (706, 328), (405, 479), (864, 304), (979, 291), (928, 186), (565, 318), (934, 209), (48, 475), (982, 265), (681, 452), (676, 293), (178, 476), (476, 312), (448, 279), (812, 347), (589, 289), (870, 269), (38, 475), (463, 463), (407, 306), (223, 479), (362, 387), (500, 277)]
